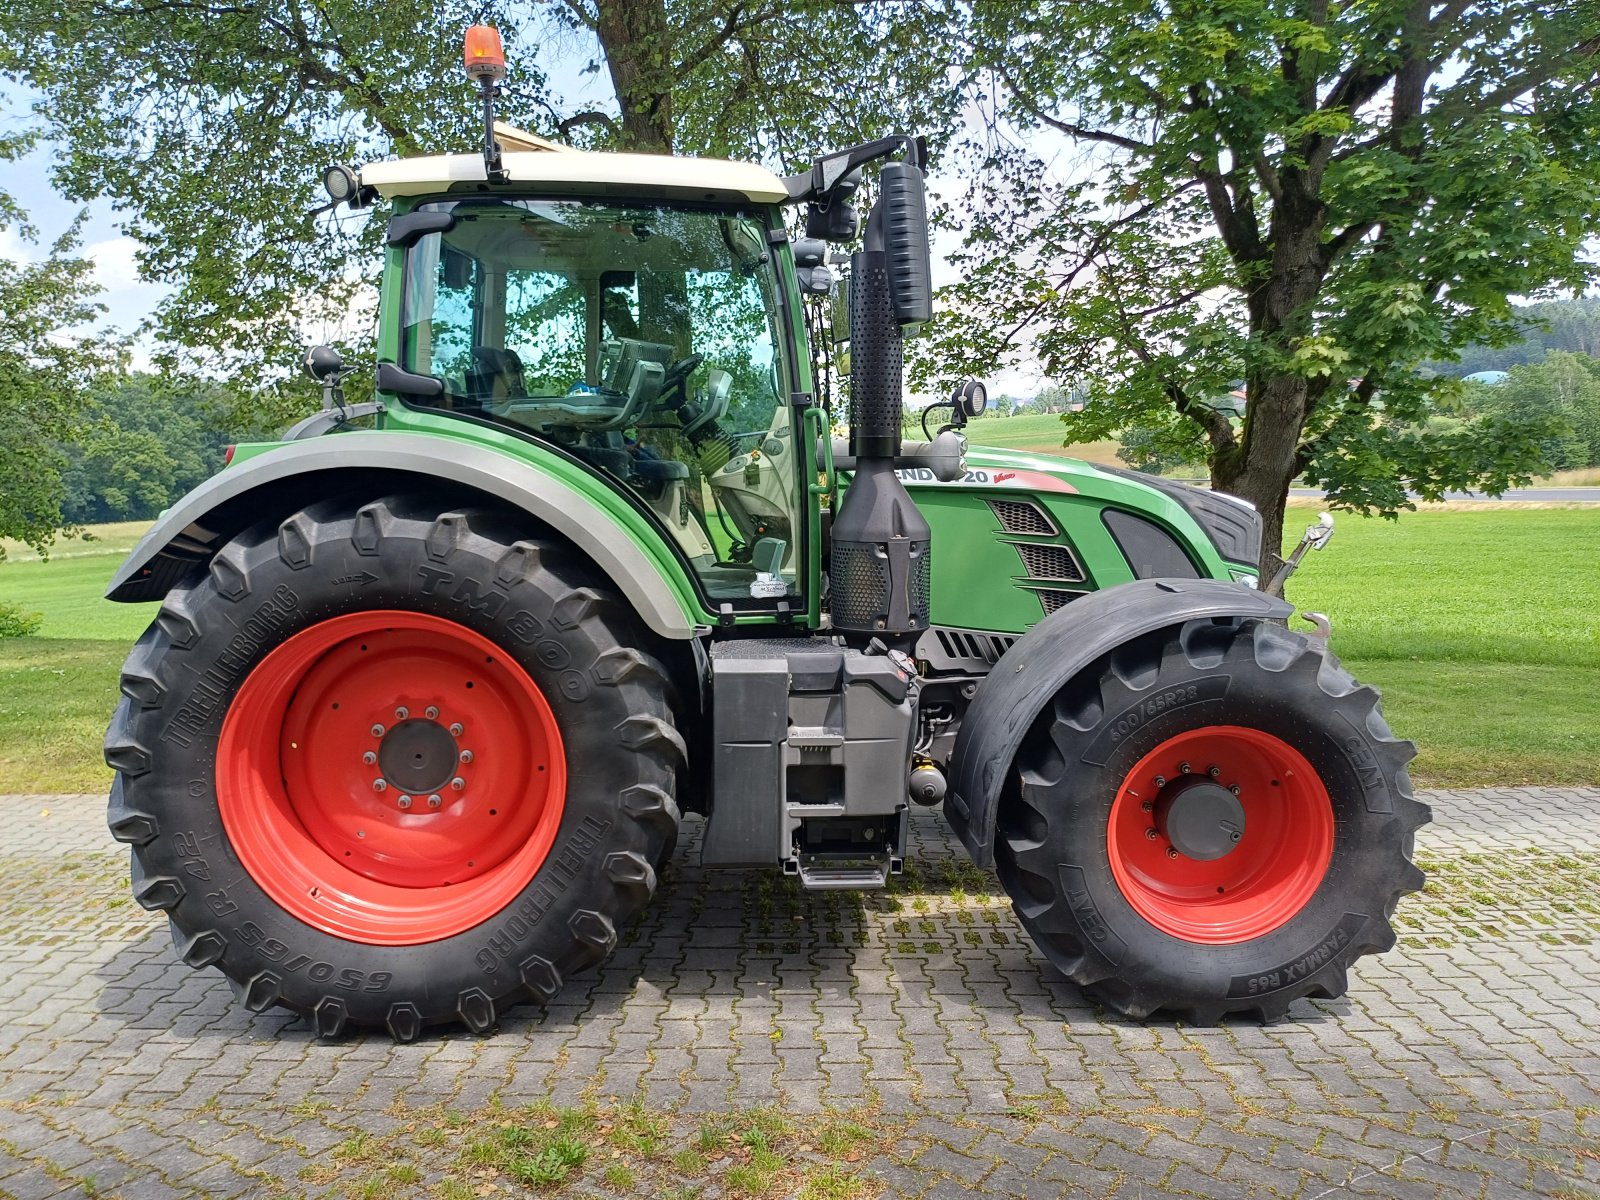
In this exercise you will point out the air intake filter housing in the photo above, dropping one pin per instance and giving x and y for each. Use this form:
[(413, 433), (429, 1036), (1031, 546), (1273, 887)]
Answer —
[(879, 574)]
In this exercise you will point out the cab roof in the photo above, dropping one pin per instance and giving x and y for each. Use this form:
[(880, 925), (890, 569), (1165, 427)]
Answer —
[(531, 159)]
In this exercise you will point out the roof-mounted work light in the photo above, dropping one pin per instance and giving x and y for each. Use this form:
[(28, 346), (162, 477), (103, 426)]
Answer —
[(340, 182), (486, 65)]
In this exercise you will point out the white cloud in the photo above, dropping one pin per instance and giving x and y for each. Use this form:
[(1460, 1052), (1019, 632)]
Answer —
[(12, 247), (116, 267)]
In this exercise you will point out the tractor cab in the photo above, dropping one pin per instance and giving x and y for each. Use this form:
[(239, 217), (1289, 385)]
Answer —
[(646, 340)]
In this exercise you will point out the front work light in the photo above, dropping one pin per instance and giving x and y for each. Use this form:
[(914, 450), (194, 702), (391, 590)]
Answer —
[(340, 182), (485, 57)]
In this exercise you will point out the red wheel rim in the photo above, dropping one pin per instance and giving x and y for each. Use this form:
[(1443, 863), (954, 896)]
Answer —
[(323, 723), (1269, 875)]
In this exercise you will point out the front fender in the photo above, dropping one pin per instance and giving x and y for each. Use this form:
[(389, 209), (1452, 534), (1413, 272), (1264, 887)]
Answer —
[(1045, 658), (284, 479)]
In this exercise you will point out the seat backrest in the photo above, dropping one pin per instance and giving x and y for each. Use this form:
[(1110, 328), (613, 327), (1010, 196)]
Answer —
[(496, 375)]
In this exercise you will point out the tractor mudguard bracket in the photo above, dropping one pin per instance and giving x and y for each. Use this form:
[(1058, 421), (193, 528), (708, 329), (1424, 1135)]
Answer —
[(1044, 659)]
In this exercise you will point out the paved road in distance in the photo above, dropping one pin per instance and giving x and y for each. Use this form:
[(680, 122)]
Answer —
[(1551, 495)]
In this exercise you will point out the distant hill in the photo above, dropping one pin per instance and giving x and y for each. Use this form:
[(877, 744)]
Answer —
[(1557, 325)]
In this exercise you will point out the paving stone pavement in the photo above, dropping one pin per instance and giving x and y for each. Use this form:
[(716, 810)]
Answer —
[(1466, 1062)]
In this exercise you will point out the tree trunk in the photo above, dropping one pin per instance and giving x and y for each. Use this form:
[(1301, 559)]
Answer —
[(1262, 473), (638, 49), (1261, 468)]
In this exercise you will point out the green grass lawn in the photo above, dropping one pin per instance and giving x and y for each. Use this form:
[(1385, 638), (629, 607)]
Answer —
[(57, 689), (1038, 433), (1482, 629)]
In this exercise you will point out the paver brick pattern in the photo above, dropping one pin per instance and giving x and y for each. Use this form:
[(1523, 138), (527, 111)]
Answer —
[(1466, 1062)]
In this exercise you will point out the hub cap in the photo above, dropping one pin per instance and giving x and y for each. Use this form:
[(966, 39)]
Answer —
[(1202, 820), (390, 777), (1220, 834)]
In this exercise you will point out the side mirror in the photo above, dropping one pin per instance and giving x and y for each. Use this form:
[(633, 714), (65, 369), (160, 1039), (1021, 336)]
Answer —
[(905, 241), (456, 268), (323, 363)]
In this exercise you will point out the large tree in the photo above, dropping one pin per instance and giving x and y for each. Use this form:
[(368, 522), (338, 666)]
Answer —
[(1308, 196), (209, 121), (49, 359)]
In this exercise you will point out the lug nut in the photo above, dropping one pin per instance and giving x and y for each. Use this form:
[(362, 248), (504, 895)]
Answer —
[(1151, 834), (1183, 768), (1147, 806), (1172, 852), (1213, 771), (431, 713), (369, 757), (377, 731), (466, 756), (401, 713), (1161, 781), (380, 785), (1234, 789), (457, 784), (404, 802), (434, 802), (457, 729)]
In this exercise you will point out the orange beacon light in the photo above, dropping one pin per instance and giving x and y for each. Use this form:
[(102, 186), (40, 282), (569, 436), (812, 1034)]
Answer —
[(485, 56)]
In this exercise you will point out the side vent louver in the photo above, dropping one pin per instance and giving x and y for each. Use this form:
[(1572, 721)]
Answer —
[(1054, 598), (1052, 562), (946, 649), (1023, 516)]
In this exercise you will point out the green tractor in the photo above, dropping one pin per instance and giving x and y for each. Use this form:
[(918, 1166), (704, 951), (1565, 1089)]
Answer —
[(435, 676)]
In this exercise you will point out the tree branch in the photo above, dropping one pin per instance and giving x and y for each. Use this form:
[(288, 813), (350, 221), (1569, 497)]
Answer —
[(733, 25), (585, 18), (1096, 247), (567, 124), (1069, 128)]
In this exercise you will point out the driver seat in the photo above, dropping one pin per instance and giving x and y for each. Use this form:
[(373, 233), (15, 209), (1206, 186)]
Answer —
[(496, 376)]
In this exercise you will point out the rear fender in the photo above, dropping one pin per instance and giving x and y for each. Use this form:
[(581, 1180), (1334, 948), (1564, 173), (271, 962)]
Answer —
[(1050, 654), (285, 479)]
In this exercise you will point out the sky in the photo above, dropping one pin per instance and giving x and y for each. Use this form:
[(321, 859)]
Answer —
[(128, 298)]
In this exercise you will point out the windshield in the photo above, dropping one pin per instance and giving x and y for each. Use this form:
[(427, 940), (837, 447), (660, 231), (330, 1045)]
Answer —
[(644, 340)]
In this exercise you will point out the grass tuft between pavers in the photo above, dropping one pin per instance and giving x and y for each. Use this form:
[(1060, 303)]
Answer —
[(628, 1149)]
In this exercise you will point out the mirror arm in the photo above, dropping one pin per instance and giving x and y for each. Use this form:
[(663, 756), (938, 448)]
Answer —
[(828, 170)]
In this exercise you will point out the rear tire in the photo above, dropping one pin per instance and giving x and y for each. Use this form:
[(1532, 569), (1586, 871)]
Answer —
[(1279, 886), (491, 681)]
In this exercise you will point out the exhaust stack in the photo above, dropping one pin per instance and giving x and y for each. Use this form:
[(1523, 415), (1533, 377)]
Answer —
[(880, 568)]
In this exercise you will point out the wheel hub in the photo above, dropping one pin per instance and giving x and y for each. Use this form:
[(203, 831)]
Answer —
[(418, 755), (1201, 819), (390, 777), (1226, 852)]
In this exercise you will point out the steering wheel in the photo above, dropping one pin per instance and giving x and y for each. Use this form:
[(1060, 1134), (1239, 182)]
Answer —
[(678, 374)]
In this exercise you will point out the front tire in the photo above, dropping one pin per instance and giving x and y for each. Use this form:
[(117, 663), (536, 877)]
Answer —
[(390, 766), (1211, 819)]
